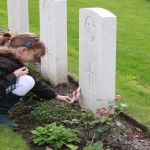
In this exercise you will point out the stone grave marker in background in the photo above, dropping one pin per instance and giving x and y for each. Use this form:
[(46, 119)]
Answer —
[(97, 57), (53, 31), (18, 15)]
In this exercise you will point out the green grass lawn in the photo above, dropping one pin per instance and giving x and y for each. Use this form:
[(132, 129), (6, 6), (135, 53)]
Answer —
[(11, 140), (133, 50), (133, 47)]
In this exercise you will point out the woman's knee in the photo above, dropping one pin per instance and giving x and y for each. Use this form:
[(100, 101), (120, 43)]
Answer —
[(26, 81), (25, 84)]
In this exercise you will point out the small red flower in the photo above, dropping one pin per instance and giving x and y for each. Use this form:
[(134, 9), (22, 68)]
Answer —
[(74, 94), (135, 136), (118, 96), (11, 38), (142, 141)]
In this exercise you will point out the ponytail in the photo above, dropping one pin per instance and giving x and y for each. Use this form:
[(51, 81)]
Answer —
[(4, 39)]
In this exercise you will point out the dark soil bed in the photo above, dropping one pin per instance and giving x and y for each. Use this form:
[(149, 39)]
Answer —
[(20, 113)]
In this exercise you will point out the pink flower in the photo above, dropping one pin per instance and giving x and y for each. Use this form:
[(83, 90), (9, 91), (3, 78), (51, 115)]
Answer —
[(74, 94), (118, 96), (11, 38), (142, 141), (135, 136)]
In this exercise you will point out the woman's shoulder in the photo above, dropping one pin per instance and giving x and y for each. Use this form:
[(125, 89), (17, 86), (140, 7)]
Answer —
[(6, 59), (8, 62), (2, 57)]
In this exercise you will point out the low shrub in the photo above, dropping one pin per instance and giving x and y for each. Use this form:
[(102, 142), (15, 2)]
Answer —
[(56, 136)]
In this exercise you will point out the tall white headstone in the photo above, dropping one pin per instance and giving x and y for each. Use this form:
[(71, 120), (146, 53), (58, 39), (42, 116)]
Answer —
[(53, 31), (18, 15), (97, 57)]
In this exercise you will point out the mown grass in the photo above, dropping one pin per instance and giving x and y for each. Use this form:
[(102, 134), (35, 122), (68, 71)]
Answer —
[(133, 47), (133, 50), (11, 140)]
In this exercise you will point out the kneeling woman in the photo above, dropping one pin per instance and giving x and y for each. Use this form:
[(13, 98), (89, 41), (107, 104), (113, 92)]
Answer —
[(15, 78)]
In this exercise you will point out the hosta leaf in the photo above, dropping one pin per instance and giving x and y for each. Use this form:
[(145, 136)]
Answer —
[(88, 148), (72, 147), (119, 124), (104, 118), (98, 145)]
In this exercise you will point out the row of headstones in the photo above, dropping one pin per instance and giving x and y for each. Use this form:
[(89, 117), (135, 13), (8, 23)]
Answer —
[(97, 47)]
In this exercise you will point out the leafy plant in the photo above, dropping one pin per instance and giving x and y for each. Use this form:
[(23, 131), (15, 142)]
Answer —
[(56, 136), (95, 127), (97, 146), (51, 111), (104, 123), (72, 147)]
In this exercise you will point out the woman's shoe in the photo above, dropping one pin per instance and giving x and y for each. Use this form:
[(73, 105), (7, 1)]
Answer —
[(5, 120)]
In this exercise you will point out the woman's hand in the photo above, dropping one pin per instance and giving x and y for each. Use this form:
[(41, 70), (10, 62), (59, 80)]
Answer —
[(20, 72), (64, 98)]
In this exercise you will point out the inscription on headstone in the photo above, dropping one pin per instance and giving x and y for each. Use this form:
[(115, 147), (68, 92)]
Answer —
[(89, 27)]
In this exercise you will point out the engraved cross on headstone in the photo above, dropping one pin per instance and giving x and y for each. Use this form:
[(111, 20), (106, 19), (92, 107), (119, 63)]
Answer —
[(90, 74)]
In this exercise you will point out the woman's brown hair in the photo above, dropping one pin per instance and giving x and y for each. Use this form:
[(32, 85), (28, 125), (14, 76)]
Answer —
[(21, 40)]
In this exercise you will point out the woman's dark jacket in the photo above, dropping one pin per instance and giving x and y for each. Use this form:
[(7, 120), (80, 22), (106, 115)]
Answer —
[(8, 65)]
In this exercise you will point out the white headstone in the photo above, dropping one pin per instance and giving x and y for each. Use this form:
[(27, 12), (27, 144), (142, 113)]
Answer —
[(53, 31), (18, 15), (97, 57)]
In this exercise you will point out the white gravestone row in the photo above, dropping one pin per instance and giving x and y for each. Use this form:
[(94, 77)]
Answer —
[(53, 31), (18, 15), (97, 47), (97, 57)]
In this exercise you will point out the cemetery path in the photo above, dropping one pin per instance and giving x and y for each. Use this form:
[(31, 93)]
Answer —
[(136, 137)]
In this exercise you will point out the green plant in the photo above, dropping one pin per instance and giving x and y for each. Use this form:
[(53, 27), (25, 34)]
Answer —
[(51, 111), (94, 127), (104, 123), (72, 147), (41, 113), (97, 146), (56, 136)]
